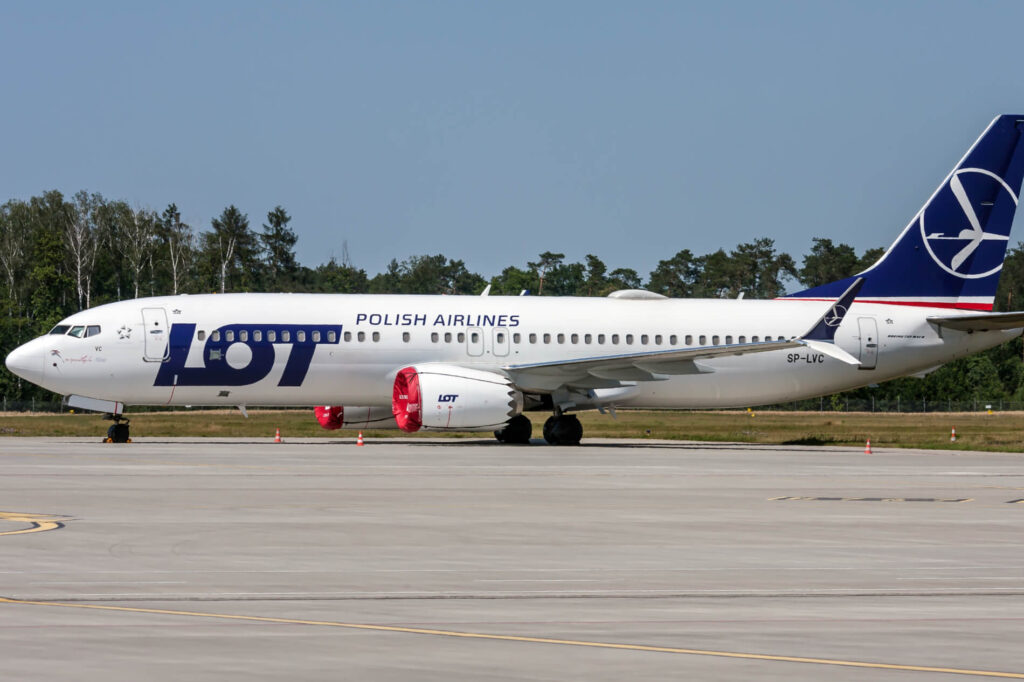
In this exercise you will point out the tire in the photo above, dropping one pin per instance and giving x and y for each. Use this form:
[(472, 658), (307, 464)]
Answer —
[(549, 430), (518, 430), (563, 430), (118, 433)]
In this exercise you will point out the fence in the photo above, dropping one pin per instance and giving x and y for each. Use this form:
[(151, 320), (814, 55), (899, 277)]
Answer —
[(839, 403)]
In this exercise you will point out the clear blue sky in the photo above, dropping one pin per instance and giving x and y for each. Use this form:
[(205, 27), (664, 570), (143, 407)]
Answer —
[(493, 131)]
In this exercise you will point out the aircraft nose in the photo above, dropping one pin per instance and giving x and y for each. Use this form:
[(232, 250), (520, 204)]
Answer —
[(26, 362)]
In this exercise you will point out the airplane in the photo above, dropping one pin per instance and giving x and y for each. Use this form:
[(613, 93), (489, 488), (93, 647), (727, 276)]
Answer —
[(484, 363)]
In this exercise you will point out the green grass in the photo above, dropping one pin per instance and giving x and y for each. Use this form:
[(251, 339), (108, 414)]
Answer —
[(1003, 431)]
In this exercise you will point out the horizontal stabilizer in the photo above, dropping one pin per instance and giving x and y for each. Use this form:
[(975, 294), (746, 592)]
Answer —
[(981, 323)]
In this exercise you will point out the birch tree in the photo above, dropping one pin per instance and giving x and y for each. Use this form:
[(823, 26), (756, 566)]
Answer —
[(178, 242), (81, 239)]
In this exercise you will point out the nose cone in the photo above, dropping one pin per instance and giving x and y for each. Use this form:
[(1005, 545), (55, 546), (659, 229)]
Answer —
[(27, 363)]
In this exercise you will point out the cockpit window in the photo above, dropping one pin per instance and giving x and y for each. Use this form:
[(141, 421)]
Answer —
[(92, 330), (77, 331), (60, 329)]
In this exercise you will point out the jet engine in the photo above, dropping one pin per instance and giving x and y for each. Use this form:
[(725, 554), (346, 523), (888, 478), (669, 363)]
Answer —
[(452, 398), (333, 417)]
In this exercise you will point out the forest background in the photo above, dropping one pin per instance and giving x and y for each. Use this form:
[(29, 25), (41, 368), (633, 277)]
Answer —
[(62, 254)]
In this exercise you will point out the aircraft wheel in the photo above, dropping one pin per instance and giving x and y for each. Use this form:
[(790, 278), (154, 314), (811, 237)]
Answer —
[(518, 430), (118, 433), (563, 430)]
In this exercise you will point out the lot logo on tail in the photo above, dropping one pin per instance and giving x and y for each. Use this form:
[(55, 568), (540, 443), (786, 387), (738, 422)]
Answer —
[(970, 253)]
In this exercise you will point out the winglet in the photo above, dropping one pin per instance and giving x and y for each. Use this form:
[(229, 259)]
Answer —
[(826, 326)]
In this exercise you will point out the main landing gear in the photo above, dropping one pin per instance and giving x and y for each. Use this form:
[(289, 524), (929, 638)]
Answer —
[(118, 431), (563, 429), (518, 430)]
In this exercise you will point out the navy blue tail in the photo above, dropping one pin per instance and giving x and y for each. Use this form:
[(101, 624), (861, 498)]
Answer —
[(951, 253)]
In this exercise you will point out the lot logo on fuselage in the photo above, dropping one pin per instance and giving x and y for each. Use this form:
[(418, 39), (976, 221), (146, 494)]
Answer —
[(958, 242), (263, 341)]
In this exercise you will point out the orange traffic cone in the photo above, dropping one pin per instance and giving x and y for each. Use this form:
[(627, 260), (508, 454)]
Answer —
[(952, 436), (867, 448), (359, 441), (277, 435)]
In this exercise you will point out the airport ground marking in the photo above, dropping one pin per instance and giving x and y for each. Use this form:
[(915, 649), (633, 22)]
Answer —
[(39, 523), (870, 499), (525, 639)]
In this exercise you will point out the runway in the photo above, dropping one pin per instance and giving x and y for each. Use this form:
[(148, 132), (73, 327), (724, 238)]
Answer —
[(465, 560)]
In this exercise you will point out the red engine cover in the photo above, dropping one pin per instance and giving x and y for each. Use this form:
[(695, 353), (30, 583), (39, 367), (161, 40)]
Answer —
[(330, 418), (405, 401)]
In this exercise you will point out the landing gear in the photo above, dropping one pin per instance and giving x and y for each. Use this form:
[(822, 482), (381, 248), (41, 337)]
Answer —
[(518, 430), (563, 429), (118, 431)]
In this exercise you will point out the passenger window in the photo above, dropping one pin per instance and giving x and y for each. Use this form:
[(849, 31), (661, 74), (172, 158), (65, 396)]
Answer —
[(434, 337), (714, 340), (533, 338), (201, 335), (243, 335), (600, 338), (547, 338), (405, 337), (743, 339), (376, 337), (461, 337), (447, 337), (215, 336), (615, 339), (561, 338), (347, 336), (77, 331), (286, 336), (753, 339), (703, 340), (629, 339), (300, 336), (92, 330), (332, 337), (657, 339), (60, 329), (316, 337), (501, 337), (229, 336), (587, 338), (517, 338), (767, 339), (257, 335), (728, 340), (474, 337), (361, 336)]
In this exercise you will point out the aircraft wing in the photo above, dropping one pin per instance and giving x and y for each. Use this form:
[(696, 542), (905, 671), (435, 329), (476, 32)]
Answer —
[(981, 323), (610, 370)]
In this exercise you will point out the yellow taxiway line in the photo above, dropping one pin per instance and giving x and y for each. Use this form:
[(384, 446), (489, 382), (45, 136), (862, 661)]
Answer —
[(521, 638), (40, 523)]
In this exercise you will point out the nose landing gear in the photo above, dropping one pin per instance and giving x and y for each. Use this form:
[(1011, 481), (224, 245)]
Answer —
[(118, 431)]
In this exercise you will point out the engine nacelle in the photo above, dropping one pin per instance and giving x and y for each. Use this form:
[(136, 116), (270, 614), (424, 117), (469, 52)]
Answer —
[(452, 398), (338, 417)]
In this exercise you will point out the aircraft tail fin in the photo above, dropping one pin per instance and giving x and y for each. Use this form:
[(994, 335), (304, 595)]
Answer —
[(951, 253)]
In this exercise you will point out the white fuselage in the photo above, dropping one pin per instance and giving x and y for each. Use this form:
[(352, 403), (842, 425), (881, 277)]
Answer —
[(353, 345)]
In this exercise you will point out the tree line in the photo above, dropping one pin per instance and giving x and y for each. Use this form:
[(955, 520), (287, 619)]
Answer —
[(62, 254)]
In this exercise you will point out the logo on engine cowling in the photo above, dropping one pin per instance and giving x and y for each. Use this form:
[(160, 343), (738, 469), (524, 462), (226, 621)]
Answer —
[(447, 397)]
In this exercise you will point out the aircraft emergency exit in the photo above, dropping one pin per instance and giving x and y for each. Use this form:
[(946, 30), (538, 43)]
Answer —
[(485, 363)]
